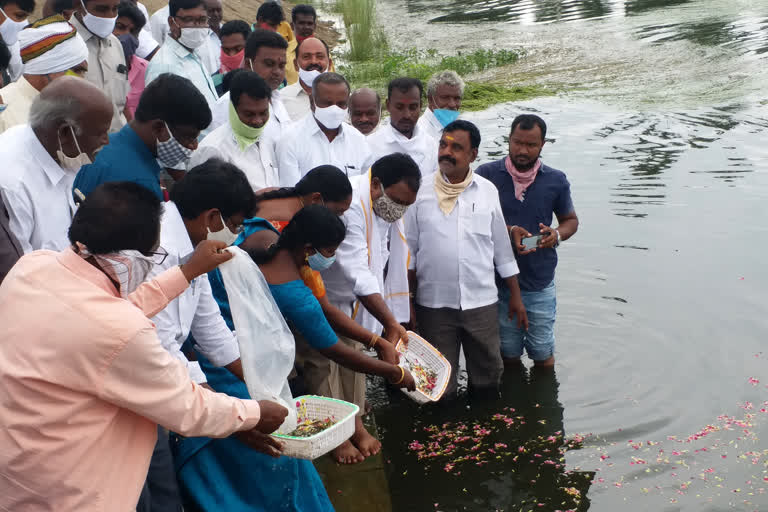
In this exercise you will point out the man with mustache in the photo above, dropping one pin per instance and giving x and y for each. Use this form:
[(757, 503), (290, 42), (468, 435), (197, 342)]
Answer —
[(312, 59), (402, 134), (530, 192), (457, 236), (365, 110)]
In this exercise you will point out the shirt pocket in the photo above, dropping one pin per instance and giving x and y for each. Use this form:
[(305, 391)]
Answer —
[(480, 222)]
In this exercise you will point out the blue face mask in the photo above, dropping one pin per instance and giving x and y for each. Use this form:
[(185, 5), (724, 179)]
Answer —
[(319, 262), (445, 116)]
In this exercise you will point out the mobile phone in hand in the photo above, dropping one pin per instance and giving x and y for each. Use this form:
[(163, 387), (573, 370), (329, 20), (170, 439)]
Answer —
[(531, 242)]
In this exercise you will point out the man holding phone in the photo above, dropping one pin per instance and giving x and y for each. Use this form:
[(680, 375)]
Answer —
[(530, 192)]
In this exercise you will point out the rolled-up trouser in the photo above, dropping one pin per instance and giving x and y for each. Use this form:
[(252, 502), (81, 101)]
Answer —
[(346, 384), (477, 331), (161, 491)]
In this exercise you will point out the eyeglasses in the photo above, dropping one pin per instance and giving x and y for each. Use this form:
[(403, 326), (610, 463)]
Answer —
[(202, 21), (157, 257)]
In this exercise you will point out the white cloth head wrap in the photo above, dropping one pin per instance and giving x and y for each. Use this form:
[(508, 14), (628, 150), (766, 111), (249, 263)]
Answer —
[(51, 45)]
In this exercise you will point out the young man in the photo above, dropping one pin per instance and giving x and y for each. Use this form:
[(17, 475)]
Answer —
[(13, 18), (402, 134), (365, 110), (303, 23), (444, 92), (312, 58), (169, 118), (240, 141), (323, 138), (530, 192), (233, 36), (457, 237), (357, 283)]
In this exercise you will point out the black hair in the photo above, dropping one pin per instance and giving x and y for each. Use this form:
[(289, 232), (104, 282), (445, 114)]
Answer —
[(175, 5), (226, 81), (314, 224), (24, 5), (263, 37), (5, 56), (235, 27), (270, 12), (327, 48), (330, 78), (303, 9), (404, 85), (528, 122), (129, 10), (59, 6), (213, 184), (460, 124), (116, 216), (175, 100), (328, 180), (395, 168), (249, 83)]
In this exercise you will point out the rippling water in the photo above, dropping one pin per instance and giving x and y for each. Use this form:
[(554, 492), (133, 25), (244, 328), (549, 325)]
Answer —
[(661, 334)]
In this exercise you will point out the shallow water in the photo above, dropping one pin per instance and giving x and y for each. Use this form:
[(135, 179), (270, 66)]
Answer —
[(661, 333)]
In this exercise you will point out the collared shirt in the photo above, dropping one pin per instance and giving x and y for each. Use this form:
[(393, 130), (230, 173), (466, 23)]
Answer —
[(125, 158), (430, 125), (210, 53), (83, 395), (296, 101), (158, 24), (195, 311), (278, 117), (19, 97), (257, 161), (454, 256), (421, 147), (107, 70), (172, 57), (549, 193), (37, 192), (136, 80), (305, 147)]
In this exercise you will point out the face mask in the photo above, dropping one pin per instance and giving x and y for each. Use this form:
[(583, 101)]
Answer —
[(10, 29), (223, 235), (171, 152), (100, 27), (387, 209), (319, 262), (230, 62), (244, 135), (128, 268), (446, 116), (330, 117), (72, 163), (193, 37), (308, 77), (3, 106)]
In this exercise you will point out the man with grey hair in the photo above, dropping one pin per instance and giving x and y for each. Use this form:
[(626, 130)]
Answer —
[(323, 138), (68, 123), (444, 92)]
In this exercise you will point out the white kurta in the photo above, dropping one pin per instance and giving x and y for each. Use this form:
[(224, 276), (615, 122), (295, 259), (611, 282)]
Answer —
[(421, 147), (278, 117), (429, 124), (296, 101)]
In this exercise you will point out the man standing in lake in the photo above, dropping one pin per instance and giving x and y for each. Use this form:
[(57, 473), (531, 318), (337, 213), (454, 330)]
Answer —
[(530, 192)]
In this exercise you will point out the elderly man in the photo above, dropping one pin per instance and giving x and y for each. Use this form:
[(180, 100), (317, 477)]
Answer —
[(312, 58), (402, 135), (240, 141), (68, 122), (49, 50), (304, 24), (444, 92), (365, 110), (323, 138), (13, 18), (107, 70), (85, 394)]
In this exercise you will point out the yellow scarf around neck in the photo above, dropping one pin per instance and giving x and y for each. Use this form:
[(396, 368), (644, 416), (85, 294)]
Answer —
[(448, 193)]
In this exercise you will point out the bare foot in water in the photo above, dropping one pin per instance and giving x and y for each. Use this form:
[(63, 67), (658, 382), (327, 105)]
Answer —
[(346, 453), (365, 442)]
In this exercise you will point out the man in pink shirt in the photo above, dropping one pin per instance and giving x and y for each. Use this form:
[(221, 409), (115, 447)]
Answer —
[(85, 379)]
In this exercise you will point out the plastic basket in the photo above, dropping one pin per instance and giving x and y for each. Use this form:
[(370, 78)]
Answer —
[(428, 356), (320, 407)]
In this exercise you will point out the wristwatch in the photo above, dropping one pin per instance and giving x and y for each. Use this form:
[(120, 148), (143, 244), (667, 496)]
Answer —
[(557, 244)]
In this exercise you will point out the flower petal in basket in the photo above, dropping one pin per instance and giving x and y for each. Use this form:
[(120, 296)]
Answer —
[(421, 351)]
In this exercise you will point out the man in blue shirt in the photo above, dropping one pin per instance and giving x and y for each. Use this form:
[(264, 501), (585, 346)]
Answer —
[(168, 120), (530, 192)]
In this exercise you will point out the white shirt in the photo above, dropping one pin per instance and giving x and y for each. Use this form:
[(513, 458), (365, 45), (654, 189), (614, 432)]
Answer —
[(195, 311), (210, 53), (421, 147), (305, 147), (296, 101), (158, 24), (429, 124), (147, 43), (454, 255), (37, 192), (257, 161), (15, 66), (278, 117)]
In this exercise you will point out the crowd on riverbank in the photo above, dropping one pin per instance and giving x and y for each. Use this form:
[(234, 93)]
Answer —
[(136, 149)]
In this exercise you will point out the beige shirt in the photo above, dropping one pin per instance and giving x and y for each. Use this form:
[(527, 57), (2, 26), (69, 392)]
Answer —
[(107, 70), (19, 97)]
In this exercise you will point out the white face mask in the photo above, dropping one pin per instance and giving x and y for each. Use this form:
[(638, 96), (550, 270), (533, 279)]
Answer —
[(100, 27), (330, 117), (9, 30), (193, 37), (72, 163), (223, 235), (129, 268), (308, 77)]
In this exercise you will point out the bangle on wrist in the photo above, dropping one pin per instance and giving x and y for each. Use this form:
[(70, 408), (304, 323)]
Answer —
[(374, 340), (402, 376), (559, 239)]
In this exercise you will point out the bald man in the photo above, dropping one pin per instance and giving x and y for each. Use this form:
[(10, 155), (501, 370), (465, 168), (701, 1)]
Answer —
[(365, 110), (68, 123), (312, 59)]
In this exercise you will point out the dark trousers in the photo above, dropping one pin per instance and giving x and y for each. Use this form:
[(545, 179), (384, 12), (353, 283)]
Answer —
[(160, 492), (477, 331)]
